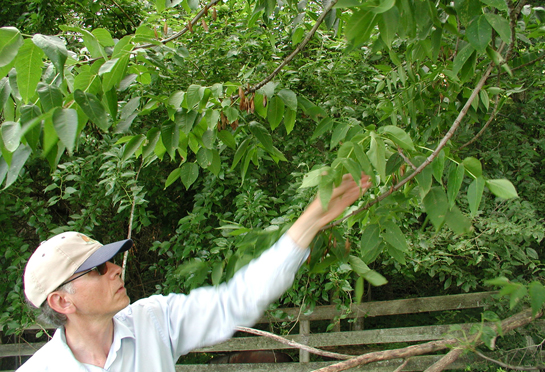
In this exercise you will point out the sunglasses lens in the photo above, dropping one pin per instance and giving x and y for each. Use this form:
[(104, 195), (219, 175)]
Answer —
[(102, 268)]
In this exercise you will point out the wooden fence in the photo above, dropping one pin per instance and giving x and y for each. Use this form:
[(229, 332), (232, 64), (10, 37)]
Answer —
[(332, 340)]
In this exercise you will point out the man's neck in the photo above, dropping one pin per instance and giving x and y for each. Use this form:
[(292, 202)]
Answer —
[(90, 342)]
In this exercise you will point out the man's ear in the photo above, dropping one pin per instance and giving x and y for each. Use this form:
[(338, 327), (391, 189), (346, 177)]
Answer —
[(60, 302)]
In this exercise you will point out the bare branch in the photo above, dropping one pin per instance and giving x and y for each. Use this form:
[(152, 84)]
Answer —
[(294, 344), (518, 368), (515, 321), (405, 158), (445, 361), (490, 119), (125, 13), (297, 50), (402, 365)]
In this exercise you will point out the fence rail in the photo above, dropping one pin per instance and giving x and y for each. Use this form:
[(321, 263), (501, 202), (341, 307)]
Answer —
[(332, 339)]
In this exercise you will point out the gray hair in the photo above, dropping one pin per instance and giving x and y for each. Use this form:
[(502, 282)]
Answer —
[(48, 316)]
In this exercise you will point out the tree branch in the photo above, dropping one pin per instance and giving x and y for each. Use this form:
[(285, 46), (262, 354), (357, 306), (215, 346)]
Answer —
[(430, 158), (492, 117), (297, 50), (294, 344), (125, 13), (515, 321), (445, 361)]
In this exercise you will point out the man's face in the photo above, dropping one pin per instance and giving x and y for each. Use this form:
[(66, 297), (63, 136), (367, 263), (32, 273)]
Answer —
[(98, 295)]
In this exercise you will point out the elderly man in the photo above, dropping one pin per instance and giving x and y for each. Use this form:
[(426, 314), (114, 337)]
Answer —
[(72, 280)]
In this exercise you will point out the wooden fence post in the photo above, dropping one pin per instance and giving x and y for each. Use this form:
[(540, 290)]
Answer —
[(304, 332)]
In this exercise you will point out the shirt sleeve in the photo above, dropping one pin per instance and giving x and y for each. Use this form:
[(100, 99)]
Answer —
[(209, 315)]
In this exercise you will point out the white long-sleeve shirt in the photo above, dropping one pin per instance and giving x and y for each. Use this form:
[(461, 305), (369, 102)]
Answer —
[(152, 333)]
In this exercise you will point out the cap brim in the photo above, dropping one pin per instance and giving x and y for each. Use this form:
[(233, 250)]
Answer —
[(105, 253)]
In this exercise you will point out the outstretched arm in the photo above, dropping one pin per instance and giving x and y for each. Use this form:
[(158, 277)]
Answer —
[(315, 217)]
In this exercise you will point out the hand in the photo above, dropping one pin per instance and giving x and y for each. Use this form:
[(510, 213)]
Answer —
[(314, 217)]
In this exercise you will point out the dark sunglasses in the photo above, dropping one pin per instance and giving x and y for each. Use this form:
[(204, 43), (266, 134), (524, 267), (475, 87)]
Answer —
[(100, 269)]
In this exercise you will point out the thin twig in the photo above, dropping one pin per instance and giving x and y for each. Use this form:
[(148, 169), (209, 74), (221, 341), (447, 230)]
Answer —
[(131, 218), (297, 50), (430, 158), (490, 119), (400, 368), (126, 15), (518, 368), (294, 344), (405, 158), (446, 360)]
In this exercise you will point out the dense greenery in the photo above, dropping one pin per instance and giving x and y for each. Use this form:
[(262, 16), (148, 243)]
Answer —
[(171, 111)]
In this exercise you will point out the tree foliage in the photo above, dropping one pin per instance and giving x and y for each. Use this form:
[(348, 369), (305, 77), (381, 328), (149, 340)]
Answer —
[(219, 121)]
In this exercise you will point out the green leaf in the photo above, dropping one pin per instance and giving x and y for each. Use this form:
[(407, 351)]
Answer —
[(388, 24), (501, 25), (474, 194), (104, 37), (425, 177), (115, 74), (375, 278), (217, 272), (394, 236), (10, 42), (457, 221), (502, 188), (227, 138), (133, 145), (289, 119), (498, 4), (65, 122), (89, 40), (455, 178), (382, 6), (312, 178), (289, 98), (28, 65), (53, 48), (358, 290), (479, 33), (275, 111), (261, 133), (473, 166), (370, 240), (194, 95), (347, 4), (323, 126), (488, 335), (50, 96), (325, 189), (170, 134), (352, 167), (189, 174), (436, 205), (377, 155), (537, 296), (462, 57), (18, 160), (467, 9), (241, 151), (438, 166), (399, 136), (173, 176), (11, 135), (360, 26), (358, 265), (398, 255), (339, 134), (93, 108)]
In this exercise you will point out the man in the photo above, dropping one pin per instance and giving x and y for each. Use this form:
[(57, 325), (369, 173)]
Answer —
[(70, 278)]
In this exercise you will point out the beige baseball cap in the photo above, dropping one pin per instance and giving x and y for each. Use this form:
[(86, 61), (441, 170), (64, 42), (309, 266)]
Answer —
[(62, 256)]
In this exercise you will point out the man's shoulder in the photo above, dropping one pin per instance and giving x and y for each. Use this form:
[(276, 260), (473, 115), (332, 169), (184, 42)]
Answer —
[(45, 359)]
